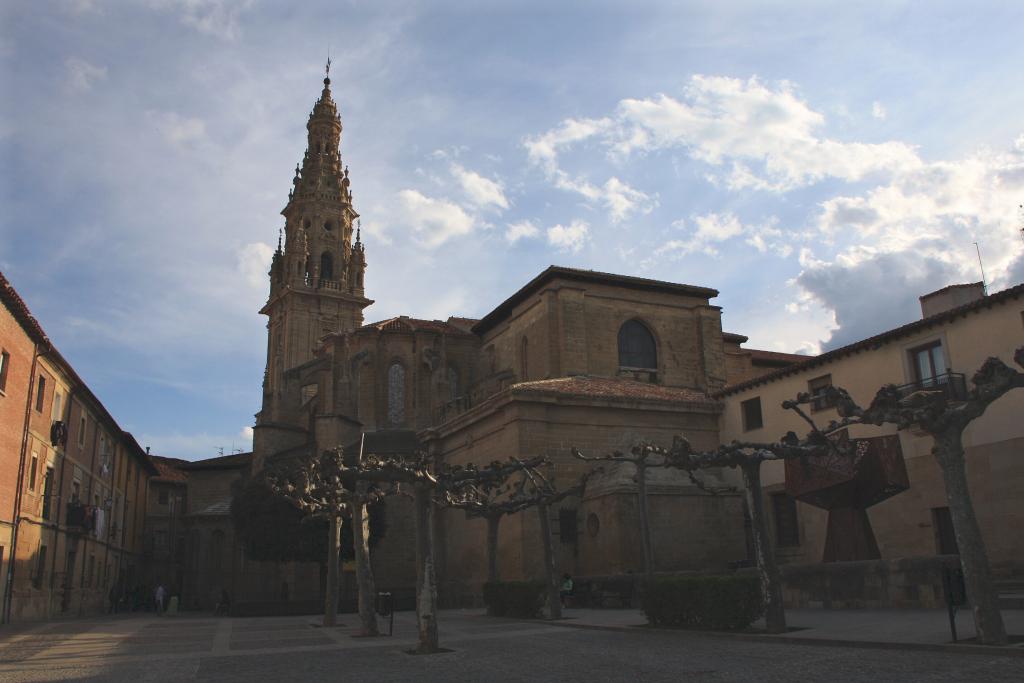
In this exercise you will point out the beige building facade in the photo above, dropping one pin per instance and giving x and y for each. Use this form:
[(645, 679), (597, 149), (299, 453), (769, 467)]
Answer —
[(961, 327)]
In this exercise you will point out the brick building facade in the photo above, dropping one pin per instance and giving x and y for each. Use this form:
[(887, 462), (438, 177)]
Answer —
[(72, 482)]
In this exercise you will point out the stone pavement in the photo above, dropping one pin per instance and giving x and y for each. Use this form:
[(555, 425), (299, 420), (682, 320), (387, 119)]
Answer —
[(910, 627), (147, 648)]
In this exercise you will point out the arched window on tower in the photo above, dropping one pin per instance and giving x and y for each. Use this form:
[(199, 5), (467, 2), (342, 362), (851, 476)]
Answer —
[(636, 346), (396, 394), (326, 266)]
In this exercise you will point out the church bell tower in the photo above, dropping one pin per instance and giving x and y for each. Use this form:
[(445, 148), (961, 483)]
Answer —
[(316, 277)]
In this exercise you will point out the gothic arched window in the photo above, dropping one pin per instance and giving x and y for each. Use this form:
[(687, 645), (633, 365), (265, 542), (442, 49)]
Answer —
[(524, 359), (326, 266), (396, 394), (453, 384), (636, 346)]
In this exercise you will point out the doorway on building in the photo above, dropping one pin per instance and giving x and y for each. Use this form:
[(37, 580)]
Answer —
[(945, 536)]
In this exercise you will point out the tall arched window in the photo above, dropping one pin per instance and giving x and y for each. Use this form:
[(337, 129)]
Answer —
[(636, 346), (453, 384), (326, 266), (524, 358), (396, 394)]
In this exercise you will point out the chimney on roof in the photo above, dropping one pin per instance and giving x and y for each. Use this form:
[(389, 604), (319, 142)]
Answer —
[(147, 450), (951, 297)]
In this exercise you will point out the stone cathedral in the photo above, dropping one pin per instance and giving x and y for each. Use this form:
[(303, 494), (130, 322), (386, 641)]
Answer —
[(573, 358)]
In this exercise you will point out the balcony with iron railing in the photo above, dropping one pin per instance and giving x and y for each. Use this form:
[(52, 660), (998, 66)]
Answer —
[(952, 384), (78, 519)]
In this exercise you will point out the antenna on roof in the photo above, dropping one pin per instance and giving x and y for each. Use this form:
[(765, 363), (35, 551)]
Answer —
[(984, 283)]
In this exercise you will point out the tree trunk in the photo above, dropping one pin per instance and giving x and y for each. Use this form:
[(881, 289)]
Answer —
[(492, 547), (645, 527), (426, 581), (554, 599), (331, 599), (771, 581), (364, 571), (988, 621)]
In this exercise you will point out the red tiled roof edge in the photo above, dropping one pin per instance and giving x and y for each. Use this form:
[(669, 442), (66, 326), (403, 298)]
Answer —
[(21, 313), (777, 356), (883, 338), (609, 387)]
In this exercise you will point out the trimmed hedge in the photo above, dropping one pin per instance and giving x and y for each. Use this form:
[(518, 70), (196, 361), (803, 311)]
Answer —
[(715, 603), (522, 599)]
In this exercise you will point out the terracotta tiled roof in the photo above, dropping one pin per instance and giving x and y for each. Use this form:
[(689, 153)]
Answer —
[(760, 357), (407, 324), (19, 309), (222, 462), (880, 339), (168, 469), (610, 387)]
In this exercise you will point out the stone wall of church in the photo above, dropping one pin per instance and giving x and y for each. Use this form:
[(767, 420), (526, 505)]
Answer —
[(690, 529)]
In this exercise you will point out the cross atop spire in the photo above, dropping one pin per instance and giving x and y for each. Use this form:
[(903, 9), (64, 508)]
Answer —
[(327, 69)]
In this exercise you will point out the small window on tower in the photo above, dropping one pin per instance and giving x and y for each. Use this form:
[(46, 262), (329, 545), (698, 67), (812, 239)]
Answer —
[(326, 266), (327, 225)]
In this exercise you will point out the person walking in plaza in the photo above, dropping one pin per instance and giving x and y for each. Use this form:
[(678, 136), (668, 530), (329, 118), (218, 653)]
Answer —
[(161, 594), (566, 591)]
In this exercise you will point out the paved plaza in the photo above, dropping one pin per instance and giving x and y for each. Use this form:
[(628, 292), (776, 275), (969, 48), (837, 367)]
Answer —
[(146, 648)]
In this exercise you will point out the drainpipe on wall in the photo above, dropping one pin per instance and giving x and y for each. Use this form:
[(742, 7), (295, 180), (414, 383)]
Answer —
[(85, 537), (60, 499), (19, 488)]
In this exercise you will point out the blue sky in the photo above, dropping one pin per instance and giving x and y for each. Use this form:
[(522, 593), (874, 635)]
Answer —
[(821, 164)]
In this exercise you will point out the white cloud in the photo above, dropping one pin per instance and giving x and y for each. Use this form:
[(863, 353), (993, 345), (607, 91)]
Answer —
[(178, 130), (617, 197), (254, 263), (543, 149), (435, 221), (878, 111), (914, 234), (519, 230), (377, 230), (766, 138), (569, 238), (712, 229), (218, 18), (82, 6), (623, 200), (482, 192), (81, 75), (620, 199)]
